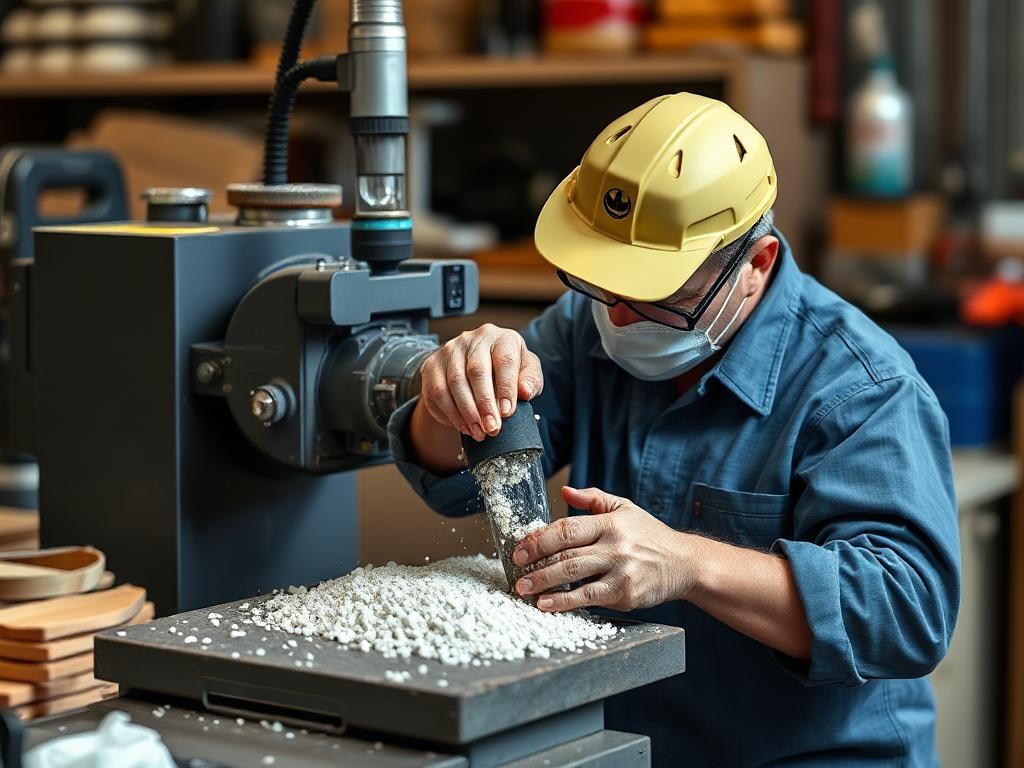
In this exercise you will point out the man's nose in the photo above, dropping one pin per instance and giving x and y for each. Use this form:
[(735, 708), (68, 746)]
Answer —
[(621, 315)]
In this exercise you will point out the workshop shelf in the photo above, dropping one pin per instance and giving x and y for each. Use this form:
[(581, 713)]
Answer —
[(424, 74)]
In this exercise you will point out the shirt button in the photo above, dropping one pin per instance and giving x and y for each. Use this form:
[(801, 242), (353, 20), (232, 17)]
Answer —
[(697, 505)]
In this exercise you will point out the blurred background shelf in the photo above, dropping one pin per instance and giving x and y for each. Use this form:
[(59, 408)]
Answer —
[(439, 74), (503, 180), (434, 74)]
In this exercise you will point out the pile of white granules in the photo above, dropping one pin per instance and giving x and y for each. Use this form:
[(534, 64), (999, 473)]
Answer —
[(455, 610)]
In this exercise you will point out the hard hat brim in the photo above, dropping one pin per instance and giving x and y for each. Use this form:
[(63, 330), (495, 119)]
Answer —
[(634, 272)]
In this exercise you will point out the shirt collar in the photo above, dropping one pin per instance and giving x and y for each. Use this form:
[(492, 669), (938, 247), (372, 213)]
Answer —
[(752, 360)]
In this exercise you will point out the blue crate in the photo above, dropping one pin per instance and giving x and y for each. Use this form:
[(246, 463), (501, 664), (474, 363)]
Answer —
[(973, 373)]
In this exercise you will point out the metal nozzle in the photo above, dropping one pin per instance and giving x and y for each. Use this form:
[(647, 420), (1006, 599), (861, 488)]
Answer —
[(377, 11), (380, 126)]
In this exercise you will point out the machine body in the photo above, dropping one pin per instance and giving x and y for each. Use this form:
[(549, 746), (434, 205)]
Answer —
[(148, 345)]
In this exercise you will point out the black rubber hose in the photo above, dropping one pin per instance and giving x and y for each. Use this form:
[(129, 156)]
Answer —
[(291, 47), (275, 149)]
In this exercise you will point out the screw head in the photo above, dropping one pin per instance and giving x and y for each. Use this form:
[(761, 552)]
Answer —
[(268, 404), (207, 372)]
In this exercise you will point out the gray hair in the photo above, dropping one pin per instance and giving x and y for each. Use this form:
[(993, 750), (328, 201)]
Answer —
[(723, 257)]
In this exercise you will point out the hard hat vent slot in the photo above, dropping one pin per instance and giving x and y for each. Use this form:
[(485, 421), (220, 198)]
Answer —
[(676, 166), (619, 134), (740, 149)]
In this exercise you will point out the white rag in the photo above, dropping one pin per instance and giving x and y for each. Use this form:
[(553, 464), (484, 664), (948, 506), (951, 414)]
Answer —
[(117, 743)]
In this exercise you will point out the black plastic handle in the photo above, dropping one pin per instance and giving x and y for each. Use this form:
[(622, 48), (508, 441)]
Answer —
[(35, 170), (12, 737)]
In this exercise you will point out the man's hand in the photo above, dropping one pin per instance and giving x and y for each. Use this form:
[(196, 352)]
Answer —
[(475, 380), (631, 559)]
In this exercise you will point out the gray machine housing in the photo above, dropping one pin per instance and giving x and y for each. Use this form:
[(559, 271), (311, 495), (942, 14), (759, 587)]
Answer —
[(109, 322)]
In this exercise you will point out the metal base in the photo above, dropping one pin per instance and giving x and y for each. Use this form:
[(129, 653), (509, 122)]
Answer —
[(318, 684), (199, 736)]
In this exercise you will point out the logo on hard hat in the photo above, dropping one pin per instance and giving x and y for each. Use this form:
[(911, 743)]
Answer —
[(617, 203)]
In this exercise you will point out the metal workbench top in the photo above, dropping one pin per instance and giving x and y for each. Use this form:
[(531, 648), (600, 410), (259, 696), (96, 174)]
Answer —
[(288, 677)]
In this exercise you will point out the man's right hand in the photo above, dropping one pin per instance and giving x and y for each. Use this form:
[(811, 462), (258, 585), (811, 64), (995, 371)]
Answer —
[(474, 381)]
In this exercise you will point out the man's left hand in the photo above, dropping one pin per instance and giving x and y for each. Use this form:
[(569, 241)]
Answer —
[(628, 558)]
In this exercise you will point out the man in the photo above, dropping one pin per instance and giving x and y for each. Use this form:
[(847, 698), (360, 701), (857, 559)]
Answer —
[(761, 464)]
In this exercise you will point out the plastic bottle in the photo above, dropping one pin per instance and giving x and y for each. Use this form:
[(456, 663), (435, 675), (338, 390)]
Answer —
[(879, 143)]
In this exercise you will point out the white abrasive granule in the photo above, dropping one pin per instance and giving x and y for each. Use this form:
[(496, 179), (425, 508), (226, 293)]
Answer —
[(454, 610), (513, 512)]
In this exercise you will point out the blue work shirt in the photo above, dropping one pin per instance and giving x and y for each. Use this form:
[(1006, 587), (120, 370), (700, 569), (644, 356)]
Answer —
[(813, 437)]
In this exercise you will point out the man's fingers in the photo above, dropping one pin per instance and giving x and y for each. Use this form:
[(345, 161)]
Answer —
[(595, 593), (570, 566), (481, 379), (567, 533), (462, 394), (531, 377), (437, 399), (505, 360), (592, 500)]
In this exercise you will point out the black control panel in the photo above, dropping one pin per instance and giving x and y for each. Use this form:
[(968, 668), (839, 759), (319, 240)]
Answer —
[(454, 287)]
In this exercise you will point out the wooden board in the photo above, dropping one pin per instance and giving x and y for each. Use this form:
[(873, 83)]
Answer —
[(106, 581), (43, 672), (14, 694), (1014, 746), (19, 545), (690, 10), (62, 703), (48, 573), (65, 616), (23, 650), (18, 525)]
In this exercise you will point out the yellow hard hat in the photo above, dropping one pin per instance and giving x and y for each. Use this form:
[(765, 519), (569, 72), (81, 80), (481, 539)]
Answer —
[(658, 191)]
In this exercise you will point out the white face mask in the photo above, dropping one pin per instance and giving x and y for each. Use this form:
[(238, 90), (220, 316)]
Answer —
[(655, 352)]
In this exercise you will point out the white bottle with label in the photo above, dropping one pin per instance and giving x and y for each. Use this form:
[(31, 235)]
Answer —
[(879, 151), (879, 136)]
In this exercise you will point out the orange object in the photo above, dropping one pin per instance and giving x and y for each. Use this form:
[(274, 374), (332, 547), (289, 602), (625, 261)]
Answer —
[(783, 37), (887, 226), (994, 303)]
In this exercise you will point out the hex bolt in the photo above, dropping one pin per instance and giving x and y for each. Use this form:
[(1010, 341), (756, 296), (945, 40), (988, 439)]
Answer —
[(207, 372), (268, 404)]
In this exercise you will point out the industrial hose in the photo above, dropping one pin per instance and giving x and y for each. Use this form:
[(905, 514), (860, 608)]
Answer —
[(275, 150), (275, 153)]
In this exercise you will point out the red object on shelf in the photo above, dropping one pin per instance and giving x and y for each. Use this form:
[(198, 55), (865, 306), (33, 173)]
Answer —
[(595, 26), (568, 14)]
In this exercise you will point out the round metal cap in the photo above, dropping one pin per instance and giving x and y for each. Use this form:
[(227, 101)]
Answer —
[(284, 195), (177, 195), (519, 432)]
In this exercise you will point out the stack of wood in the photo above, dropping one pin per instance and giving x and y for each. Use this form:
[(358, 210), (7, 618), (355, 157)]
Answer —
[(19, 529), (52, 603), (750, 25)]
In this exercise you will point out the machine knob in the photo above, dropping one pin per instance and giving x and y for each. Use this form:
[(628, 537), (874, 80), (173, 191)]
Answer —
[(269, 404)]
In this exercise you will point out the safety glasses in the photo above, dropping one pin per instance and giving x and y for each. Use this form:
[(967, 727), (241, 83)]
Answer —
[(663, 314)]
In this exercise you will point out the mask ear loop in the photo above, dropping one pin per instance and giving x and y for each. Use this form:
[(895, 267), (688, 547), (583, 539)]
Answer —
[(725, 304), (726, 329)]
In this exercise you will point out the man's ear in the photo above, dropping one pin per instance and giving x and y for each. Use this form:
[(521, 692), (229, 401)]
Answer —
[(766, 251)]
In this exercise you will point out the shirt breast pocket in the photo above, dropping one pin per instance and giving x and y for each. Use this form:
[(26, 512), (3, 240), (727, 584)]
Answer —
[(748, 519)]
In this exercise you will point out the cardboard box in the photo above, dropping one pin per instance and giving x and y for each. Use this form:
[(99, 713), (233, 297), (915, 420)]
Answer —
[(909, 225)]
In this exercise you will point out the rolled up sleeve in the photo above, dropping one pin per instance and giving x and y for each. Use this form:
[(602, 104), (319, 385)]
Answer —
[(550, 337), (875, 552), (456, 495)]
